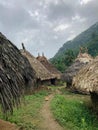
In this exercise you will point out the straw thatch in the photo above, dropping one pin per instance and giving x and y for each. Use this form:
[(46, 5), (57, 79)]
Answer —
[(84, 58), (15, 73), (41, 72), (81, 60), (49, 66), (86, 81)]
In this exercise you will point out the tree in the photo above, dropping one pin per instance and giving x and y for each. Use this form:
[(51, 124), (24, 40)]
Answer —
[(69, 57), (93, 35)]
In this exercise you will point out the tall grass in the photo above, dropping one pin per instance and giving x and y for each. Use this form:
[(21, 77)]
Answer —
[(73, 114), (27, 116)]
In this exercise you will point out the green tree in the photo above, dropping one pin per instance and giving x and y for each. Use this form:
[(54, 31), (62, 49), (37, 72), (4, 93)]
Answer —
[(93, 35), (69, 57)]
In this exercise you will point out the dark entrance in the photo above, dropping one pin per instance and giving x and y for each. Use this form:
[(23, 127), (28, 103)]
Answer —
[(53, 81)]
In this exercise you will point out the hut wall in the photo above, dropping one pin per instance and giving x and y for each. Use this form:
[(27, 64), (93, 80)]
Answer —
[(45, 82), (94, 99), (56, 81)]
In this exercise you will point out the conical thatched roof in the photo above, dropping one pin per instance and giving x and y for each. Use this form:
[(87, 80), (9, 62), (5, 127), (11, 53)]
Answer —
[(84, 57), (86, 79), (41, 72), (15, 73), (81, 60), (49, 66)]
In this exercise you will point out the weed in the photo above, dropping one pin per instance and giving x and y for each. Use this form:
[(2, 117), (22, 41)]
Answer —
[(27, 116), (73, 114)]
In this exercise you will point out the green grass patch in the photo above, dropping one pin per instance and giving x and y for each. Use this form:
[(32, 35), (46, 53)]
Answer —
[(27, 115), (53, 88), (73, 113)]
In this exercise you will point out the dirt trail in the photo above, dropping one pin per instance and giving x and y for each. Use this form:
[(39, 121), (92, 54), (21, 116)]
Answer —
[(4, 125), (48, 122)]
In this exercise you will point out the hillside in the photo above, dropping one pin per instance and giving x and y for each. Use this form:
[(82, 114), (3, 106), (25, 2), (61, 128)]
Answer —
[(79, 40), (68, 52)]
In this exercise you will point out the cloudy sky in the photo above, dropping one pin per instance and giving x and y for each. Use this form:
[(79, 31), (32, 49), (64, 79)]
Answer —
[(44, 25)]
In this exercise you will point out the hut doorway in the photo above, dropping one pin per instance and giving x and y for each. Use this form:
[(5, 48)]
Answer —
[(53, 81)]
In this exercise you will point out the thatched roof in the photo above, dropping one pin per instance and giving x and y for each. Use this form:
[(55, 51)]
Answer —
[(84, 57), (81, 60), (86, 79), (49, 66), (15, 73), (41, 72)]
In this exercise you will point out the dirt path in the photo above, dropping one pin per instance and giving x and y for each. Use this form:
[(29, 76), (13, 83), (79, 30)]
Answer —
[(4, 125), (48, 122)]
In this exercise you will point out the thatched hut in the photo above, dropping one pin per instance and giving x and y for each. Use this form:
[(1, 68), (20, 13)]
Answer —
[(42, 74), (81, 60), (86, 80), (49, 67), (15, 74)]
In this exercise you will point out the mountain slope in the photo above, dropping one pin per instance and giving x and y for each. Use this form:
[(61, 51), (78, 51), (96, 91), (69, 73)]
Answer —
[(68, 52), (79, 40)]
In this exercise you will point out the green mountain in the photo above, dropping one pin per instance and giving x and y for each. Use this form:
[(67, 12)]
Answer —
[(68, 52), (79, 40)]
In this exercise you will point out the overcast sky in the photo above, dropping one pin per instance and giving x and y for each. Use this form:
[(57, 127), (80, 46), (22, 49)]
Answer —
[(44, 25)]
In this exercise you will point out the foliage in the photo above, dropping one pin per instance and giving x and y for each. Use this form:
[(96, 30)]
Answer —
[(69, 57), (73, 114), (62, 62), (80, 40), (59, 63), (68, 52), (93, 46), (27, 116)]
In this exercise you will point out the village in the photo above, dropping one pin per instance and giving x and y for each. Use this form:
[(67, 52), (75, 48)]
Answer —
[(26, 79), (48, 65)]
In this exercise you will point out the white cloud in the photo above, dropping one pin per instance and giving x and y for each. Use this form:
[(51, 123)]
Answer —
[(61, 27), (71, 37), (44, 25), (33, 13), (30, 13), (55, 37), (7, 4), (82, 2), (78, 18), (42, 44)]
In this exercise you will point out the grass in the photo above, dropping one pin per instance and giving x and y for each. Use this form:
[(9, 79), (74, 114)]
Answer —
[(53, 88), (27, 116), (71, 111)]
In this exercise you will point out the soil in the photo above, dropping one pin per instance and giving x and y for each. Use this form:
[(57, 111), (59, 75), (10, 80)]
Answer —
[(47, 120), (4, 125), (48, 123)]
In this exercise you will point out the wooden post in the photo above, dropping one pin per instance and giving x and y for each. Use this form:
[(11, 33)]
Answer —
[(23, 47)]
